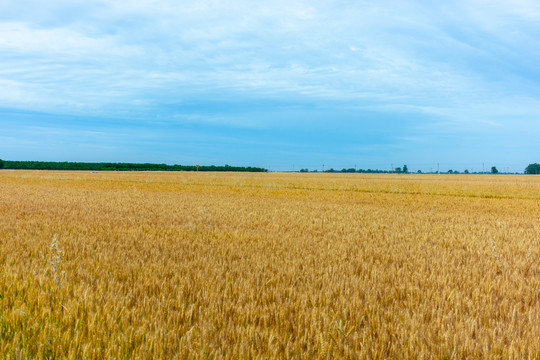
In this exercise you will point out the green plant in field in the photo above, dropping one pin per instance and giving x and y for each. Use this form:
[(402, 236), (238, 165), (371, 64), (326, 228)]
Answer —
[(56, 257)]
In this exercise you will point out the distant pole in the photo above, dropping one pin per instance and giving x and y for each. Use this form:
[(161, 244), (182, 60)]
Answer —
[(322, 167)]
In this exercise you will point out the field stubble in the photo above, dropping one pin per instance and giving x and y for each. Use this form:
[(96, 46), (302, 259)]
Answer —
[(187, 265)]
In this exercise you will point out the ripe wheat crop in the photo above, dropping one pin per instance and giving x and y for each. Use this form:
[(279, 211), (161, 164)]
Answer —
[(242, 266)]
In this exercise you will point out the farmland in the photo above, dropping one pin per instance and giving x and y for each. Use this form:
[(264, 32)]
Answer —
[(269, 265)]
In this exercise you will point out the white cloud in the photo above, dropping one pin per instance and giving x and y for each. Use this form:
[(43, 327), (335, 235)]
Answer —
[(135, 57)]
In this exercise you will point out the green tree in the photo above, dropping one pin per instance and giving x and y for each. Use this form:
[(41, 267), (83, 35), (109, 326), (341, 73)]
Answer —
[(533, 169), (1, 163), (398, 170), (494, 170), (405, 169)]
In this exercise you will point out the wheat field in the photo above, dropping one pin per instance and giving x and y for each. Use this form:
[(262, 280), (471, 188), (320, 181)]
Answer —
[(268, 266)]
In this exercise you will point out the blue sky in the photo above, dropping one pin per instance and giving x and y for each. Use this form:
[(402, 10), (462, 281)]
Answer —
[(278, 84)]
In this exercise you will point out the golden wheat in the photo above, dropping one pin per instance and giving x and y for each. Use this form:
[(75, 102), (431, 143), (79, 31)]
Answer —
[(187, 265)]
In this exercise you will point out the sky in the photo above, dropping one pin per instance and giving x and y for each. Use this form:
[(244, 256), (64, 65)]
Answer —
[(279, 84)]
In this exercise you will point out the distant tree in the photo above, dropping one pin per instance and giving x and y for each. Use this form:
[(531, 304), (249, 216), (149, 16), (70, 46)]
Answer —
[(405, 169), (304, 170), (1, 163), (398, 170), (450, 171), (533, 169), (466, 171), (419, 171), (494, 170)]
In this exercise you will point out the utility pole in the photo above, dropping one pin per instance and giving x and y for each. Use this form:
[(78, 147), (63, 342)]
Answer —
[(322, 167)]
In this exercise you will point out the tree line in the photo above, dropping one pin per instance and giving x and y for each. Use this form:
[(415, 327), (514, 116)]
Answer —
[(108, 166), (399, 170), (531, 169), (352, 170)]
